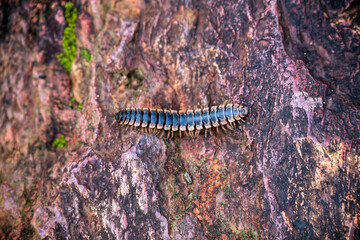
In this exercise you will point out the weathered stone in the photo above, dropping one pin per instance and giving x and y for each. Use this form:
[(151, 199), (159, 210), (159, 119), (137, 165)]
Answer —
[(68, 171)]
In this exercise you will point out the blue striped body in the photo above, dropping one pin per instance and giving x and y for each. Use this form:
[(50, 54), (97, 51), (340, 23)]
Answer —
[(172, 120), (168, 120), (161, 119), (138, 118), (221, 115), (132, 117), (197, 119), (205, 118), (175, 120), (153, 118), (182, 121), (213, 118), (145, 117), (190, 120), (229, 113)]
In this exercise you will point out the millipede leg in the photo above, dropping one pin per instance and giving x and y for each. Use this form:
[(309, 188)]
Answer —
[(222, 126), (205, 132), (161, 134), (191, 134), (240, 122), (197, 133), (172, 134), (179, 134), (211, 132), (168, 135), (229, 127)]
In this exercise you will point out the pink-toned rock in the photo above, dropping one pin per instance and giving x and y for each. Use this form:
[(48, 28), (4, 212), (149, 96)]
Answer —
[(290, 171)]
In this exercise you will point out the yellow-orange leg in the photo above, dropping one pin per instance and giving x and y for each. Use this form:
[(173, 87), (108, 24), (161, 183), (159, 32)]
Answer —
[(161, 133), (191, 134), (229, 127), (197, 133), (211, 132)]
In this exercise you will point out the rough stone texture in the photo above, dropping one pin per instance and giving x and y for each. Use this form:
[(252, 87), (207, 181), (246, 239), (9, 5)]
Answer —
[(291, 172)]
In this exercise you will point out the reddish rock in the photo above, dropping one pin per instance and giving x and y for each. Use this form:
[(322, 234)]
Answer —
[(290, 172)]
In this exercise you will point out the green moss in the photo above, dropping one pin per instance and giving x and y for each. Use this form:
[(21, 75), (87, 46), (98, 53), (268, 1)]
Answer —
[(75, 105), (67, 57), (60, 142), (86, 54), (191, 197), (250, 234)]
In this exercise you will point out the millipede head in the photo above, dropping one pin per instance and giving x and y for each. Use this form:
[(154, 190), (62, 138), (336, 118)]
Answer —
[(245, 111)]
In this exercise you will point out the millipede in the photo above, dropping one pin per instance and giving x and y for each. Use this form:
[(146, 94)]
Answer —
[(189, 122)]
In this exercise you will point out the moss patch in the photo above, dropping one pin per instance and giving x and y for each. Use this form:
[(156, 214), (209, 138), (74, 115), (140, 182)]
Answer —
[(75, 105), (250, 234), (86, 54), (67, 57), (60, 142)]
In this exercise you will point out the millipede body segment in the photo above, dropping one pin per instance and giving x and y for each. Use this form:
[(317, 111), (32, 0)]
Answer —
[(189, 122)]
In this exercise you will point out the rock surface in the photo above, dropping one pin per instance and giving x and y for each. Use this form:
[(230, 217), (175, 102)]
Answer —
[(291, 171)]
